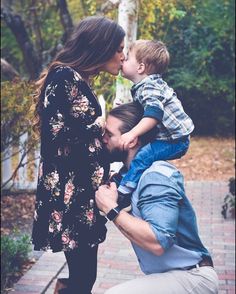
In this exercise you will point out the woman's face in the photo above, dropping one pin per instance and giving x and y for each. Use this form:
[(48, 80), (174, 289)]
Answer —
[(113, 66)]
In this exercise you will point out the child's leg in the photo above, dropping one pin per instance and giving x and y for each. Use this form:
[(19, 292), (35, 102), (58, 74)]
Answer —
[(157, 150), (168, 150), (143, 159)]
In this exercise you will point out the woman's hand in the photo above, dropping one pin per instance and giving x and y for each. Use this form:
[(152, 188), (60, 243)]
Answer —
[(101, 122)]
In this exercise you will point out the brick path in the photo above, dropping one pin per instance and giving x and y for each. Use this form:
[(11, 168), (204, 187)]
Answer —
[(117, 262)]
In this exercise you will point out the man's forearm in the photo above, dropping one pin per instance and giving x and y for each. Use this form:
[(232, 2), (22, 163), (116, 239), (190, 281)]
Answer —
[(139, 232)]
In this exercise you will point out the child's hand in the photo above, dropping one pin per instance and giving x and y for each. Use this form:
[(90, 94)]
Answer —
[(101, 122), (126, 139)]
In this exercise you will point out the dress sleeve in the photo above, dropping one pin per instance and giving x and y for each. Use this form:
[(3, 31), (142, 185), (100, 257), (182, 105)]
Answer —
[(159, 205), (151, 100), (69, 108)]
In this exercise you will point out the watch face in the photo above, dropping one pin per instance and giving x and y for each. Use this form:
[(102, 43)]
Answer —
[(112, 214)]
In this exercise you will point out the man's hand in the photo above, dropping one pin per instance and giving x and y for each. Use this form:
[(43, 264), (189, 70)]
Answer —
[(106, 197), (127, 139)]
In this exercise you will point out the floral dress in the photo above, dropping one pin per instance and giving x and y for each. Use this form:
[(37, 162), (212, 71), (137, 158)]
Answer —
[(72, 165)]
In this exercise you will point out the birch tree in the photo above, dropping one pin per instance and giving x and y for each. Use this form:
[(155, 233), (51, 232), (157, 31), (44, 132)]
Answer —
[(128, 19)]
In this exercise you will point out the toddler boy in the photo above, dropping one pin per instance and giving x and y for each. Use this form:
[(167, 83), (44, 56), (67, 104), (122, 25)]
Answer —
[(146, 61)]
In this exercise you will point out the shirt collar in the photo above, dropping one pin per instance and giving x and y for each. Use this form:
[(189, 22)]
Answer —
[(152, 77)]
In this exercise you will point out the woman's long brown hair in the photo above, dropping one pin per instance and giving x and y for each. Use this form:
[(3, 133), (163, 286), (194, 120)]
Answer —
[(93, 42)]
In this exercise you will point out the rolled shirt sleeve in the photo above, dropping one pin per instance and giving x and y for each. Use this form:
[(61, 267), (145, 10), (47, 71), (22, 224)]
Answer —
[(158, 203), (152, 101)]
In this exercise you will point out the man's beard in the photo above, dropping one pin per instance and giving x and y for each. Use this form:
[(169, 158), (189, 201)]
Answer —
[(116, 155)]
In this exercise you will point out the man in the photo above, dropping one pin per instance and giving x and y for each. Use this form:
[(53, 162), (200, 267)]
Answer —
[(162, 224)]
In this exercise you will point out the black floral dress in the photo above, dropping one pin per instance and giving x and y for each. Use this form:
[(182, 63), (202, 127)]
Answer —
[(72, 165)]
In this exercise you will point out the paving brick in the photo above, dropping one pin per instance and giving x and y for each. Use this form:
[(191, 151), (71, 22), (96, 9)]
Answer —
[(117, 262)]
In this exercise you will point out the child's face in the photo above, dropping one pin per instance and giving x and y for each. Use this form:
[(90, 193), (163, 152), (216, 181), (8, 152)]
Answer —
[(130, 67)]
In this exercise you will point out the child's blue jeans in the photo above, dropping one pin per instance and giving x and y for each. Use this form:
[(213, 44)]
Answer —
[(157, 150)]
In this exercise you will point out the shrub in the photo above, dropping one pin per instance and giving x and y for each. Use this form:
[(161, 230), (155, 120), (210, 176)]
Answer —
[(17, 117), (229, 201), (14, 253)]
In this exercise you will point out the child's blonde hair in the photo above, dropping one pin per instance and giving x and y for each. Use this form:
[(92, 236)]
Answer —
[(153, 54)]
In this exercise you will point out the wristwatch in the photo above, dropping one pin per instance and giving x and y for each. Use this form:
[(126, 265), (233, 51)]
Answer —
[(113, 213)]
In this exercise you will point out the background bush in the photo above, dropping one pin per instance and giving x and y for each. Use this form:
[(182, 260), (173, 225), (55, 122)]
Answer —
[(16, 111), (14, 253), (200, 36)]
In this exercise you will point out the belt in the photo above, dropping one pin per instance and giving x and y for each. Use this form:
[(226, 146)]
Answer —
[(203, 262)]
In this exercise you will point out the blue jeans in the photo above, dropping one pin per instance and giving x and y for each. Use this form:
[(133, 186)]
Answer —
[(156, 150)]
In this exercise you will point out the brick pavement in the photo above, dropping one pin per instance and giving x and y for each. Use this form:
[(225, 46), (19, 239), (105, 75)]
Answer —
[(117, 262)]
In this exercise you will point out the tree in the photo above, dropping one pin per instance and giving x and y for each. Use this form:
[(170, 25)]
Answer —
[(8, 71), (33, 27), (128, 19), (17, 26)]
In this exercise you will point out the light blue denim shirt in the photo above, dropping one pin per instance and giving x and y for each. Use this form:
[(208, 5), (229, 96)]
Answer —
[(160, 200)]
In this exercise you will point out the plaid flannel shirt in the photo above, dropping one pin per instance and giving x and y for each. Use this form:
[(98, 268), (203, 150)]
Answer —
[(160, 102)]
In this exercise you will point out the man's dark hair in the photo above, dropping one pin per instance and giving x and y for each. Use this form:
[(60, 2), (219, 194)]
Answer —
[(130, 114)]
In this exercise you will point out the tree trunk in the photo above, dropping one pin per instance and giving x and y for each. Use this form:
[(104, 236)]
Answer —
[(128, 19), (66, 20), (17, 26), (7, 70), (36, 26), (108, 6)]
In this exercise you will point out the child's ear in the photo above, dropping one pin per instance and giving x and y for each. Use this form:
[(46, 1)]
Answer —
[(141, 68)]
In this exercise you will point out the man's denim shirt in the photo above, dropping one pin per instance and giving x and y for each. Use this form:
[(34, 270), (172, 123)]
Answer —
[(161, 201)]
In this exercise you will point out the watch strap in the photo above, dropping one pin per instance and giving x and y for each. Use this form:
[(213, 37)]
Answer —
[(113, 213)]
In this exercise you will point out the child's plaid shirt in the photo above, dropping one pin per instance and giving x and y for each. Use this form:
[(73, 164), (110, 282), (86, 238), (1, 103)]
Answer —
[(160, 102)]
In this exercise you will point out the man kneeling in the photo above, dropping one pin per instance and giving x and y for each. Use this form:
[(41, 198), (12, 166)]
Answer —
[(162, 223)]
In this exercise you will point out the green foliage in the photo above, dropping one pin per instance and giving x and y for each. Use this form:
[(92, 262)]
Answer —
[(9, 48), (42, 19), (17, 116), (14, 253), (105, 85), (200, 37)]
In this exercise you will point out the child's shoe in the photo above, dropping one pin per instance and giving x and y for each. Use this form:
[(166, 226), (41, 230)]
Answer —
[(124, 201)]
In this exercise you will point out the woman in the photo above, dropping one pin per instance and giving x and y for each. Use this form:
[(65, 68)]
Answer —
[(72, 162)]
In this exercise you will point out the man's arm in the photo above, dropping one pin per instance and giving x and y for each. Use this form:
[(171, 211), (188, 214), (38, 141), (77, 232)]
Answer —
[(139, 232), (135, 229)]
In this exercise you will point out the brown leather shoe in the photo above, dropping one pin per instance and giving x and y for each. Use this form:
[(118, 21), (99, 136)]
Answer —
[(61, 284)]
